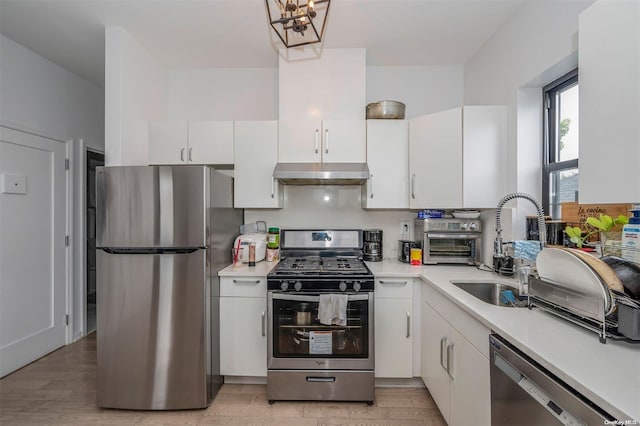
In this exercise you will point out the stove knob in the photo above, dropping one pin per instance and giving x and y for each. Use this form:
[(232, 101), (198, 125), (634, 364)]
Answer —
[(343, 286), (464, 225), (356, 286), (284, 286), (297, 286), (473, 226)]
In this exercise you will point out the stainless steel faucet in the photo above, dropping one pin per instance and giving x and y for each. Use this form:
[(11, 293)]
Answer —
[(498, 254)]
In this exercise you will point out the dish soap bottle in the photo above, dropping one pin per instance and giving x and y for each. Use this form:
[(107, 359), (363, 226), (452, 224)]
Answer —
[(631, 236)]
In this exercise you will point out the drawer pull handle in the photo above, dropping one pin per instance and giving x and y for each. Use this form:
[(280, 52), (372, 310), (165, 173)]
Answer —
[(443, 343), (408, 324), (246, 281), (450, 371), (321, 379), (393, 282)]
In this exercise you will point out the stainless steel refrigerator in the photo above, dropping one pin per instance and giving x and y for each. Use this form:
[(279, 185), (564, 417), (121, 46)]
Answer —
[(163, 233)]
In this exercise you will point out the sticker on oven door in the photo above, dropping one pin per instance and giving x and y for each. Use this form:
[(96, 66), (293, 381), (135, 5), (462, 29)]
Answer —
[(320, 342)]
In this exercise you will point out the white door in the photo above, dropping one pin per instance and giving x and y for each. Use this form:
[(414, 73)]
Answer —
[(243, 341), (256, 154), (33, 200), (210, 142), (393, 339), (388, 160), (168, 142), (299, 141), (435, 338), (435, 160), (470, 384), (344, 141)]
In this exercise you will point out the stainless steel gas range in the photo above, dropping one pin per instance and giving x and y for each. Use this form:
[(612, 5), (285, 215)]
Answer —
[(309, 359)]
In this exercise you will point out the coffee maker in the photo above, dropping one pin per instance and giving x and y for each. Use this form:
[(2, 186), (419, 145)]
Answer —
[(372, 245)]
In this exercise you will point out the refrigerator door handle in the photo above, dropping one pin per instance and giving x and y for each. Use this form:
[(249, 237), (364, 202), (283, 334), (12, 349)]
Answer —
[(112, 250)]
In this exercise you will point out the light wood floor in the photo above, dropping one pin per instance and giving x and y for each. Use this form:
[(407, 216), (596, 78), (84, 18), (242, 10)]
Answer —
[(60, 389)]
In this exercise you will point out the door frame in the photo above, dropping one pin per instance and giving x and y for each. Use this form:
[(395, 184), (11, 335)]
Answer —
[(69, 261)]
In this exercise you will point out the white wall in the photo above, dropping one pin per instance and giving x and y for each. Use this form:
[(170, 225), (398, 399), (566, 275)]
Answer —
[(423, 89), (252, 93), (223, 94), (45, 98), (42, 97), (535, 47), (135, 93)]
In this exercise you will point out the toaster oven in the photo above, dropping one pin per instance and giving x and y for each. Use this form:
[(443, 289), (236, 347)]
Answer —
[(456, 241)]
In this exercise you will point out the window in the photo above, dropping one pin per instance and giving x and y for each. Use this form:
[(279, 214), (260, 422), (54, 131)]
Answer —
[(560, 159)]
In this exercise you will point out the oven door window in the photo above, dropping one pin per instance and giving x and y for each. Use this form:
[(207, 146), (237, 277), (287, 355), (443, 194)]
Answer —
[(452, 247), (297, 333)]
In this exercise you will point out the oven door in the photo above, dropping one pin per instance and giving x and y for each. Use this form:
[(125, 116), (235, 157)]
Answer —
[(315, 345), (451, 248)]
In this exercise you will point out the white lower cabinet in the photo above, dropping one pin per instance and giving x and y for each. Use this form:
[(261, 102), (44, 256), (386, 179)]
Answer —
[(453, 369), (243, 322), (393, 327)]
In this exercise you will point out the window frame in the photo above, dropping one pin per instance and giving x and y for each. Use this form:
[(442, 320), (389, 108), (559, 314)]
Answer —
[(550, 163)]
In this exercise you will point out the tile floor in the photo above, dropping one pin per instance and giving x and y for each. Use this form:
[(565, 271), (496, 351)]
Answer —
[(60, 389)]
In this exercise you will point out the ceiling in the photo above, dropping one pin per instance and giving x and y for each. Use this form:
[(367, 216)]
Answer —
[(223, 33)]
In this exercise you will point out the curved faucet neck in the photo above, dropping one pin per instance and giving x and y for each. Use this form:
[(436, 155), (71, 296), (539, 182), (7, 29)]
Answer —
[(542, 233)]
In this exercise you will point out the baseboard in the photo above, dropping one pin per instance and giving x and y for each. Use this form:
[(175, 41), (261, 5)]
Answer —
[(414, 382), (245, 380)]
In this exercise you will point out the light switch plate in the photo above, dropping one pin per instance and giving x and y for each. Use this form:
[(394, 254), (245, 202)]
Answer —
[(13, 184)]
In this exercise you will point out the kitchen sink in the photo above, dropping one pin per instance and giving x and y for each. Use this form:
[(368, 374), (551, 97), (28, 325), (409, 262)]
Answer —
[(489, 292)]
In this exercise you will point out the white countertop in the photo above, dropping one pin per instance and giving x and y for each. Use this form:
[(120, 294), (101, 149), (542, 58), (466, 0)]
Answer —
[(607, 374), (244, 270)]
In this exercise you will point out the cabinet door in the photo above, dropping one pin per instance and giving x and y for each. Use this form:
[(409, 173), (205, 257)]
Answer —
[(393, 338), (243, 342), (435, 160), (609, 63), (210, 142), (168, 142), (484, 150), (300, 141), (434, 341), (388, 160), (470, 384), (256, 154), (344, 141)]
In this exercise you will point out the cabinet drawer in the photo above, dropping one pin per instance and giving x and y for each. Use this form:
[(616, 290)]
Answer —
[(394, 287), (243, 286)]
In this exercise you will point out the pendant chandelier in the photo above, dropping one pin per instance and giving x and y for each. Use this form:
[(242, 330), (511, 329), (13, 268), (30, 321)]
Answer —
[(298, 22)]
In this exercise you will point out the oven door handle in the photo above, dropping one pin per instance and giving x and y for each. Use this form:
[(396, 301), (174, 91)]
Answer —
[(315, 298), (453, 236)]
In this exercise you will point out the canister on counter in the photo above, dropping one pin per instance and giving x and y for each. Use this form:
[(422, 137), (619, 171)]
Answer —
[(416, 256), (273, 255)]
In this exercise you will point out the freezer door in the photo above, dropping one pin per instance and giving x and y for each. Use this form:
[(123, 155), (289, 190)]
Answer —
[(153, 336), (152, 206)]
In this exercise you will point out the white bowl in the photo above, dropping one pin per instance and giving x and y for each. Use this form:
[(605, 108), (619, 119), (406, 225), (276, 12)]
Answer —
[(470, 214)]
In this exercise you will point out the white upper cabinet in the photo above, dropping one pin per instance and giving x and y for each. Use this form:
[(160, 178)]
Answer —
[(315, 141), (457, 158), (210, 142), (168, 142), (256, 154), (484, 147), (609, 66), (435, 160), (388, 160), (193, 142)]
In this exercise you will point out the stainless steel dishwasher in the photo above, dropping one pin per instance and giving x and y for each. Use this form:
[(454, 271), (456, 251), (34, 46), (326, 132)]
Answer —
[(524, 393)]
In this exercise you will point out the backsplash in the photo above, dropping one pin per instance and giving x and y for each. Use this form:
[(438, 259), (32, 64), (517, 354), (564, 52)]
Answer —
[(335, 206)]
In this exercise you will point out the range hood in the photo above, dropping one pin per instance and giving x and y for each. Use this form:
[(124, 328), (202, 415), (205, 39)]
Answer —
[(321, 173)]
